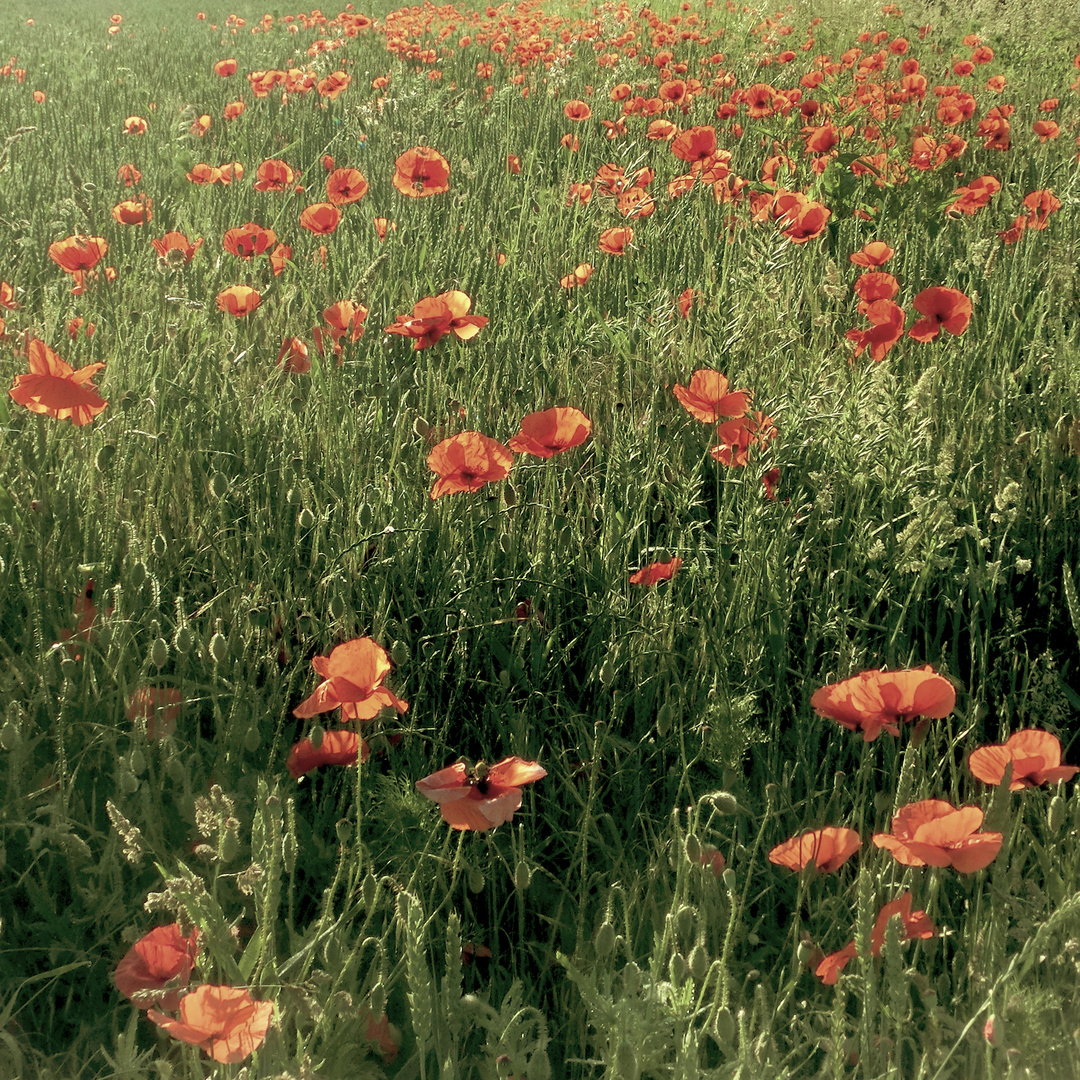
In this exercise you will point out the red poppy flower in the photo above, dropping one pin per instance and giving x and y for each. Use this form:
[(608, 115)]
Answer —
[(128, 175), (338, 747), (686, 302), (382, 1035), (320, 218), (293, 356), (576, 110), (1035, 757), (615, 241), (695, 144), (708, 398), (7, 296), (225, 1022), (345, 186), (162, 956), (914, 925), (279, 258), (942, 308), (1040, 205), (1046, 129), (635, 202), (770, 480), (233, 110), (544, 434), (54, 388), (420, 172), (805, 219), (480, 798), (176, 249), (201, 125), (225, 68), (352, 680), (582, 273), (656, 571), (875, 285), (247, 241), (467, 461), (712, 859), (345, 317), (829, 848), (875, 253), (974, 196), (886, 329), (135, 125), (275, 175), (435, 316), (934, 833), (133, 211), (78, 253), (238, 300), (157, 706), (332, 86), (738, 436), (879, 700), (661, 130), (382, 225)]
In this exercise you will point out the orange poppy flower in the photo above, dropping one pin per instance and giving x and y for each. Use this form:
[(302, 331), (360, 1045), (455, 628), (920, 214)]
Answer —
[(132, 211), (615, 241), (352, 680), (941, 308), (233, 110), (176, 249), (7, 296), (708, 399), (467, 461), (483, 797), (686, 302), (914, 925), (158, 707), (238, 300), (225, 1022), (579, 193), (135, 125), (53, 388), (513, 164), (806, 219), (875, 285), (338, 747), (974, 196), (201, 125), (382, 226), (225, 68), (875, 253), (934, 833), (420, 172), (695, 144), (247, 241), (1035, 757), (205, 174), (1046, 129), (345, 317), (279, 257), (275, 175), (78, 253), (879, 700), (436, 316), (655, 572), (829, 848), (544, 434), (576, 110), (582, 273), (738, 436), (162, 956), (382, 1035), (570, 141), (1040, 205), (293, 356), (76, 324), (886, 329), (345, 186), (661, 130), (333, 85), (320, 218), (128, 175), (635, 202)]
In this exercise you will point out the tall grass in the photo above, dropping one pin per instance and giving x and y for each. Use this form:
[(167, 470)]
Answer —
[(237, 520)]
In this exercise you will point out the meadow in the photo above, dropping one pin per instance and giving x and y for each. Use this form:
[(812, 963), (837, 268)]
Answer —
[(539, 542)]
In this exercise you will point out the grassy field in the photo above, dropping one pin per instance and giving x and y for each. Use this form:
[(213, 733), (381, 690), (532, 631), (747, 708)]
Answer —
[(864, 219)]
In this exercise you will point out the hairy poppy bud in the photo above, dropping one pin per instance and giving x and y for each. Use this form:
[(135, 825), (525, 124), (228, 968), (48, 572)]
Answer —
[(378, 999), (219, 485), (218, 648), (607, 672), (252, 739), (369, 890), (539, 1067), (294, 496), (605, 939), (305, 519), (104, 458), (1056, 815), (522, 876), (344, 831), (626, 1063), (729, 880), (699, 962), (159, 652), (476, 880), (336, 607), (723, 802), (693, 848), (183, 639), (663, 719), (684, 921), (9, 736), (724, 1027), (160, 546), (631, 978), (677, 970), (399, 653)]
